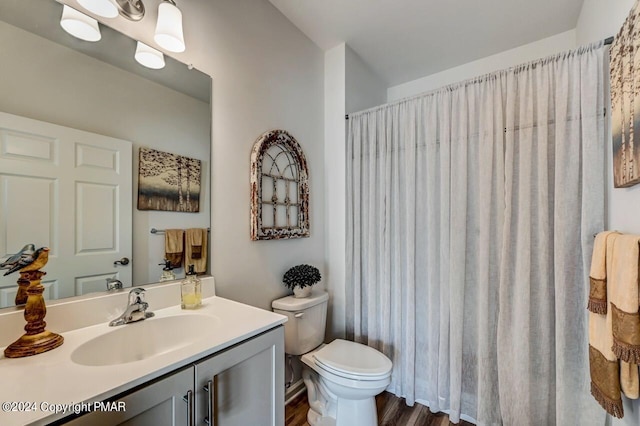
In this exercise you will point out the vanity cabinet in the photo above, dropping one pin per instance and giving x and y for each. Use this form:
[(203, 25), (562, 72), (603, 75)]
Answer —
[(241, 385), (159, 403)]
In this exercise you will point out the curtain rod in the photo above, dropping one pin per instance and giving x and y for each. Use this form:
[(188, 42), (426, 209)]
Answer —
[(607, 41)]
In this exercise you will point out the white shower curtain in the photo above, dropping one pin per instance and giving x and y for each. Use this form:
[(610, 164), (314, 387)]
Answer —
[(470, 219)]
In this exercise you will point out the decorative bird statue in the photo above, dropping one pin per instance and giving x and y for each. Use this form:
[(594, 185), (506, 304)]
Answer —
[(26, 250), (40, 258), (27, 256)]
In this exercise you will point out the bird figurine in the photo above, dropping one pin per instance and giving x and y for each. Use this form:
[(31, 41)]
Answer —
[(27, 256), (28, 249), (40, 258)]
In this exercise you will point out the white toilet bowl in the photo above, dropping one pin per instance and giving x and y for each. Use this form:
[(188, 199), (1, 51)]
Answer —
[(342, 380), (342, 377)]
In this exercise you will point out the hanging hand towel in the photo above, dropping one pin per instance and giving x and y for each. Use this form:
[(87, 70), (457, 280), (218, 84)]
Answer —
[(624, 299), (603, 364), (174, 247), (598, 275), (196, 249)]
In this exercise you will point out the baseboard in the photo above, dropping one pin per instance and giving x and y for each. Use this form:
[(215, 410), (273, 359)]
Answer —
[(294, 391)]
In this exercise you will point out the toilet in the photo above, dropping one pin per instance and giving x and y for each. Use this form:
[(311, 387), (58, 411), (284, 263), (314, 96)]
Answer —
[(342, 378)]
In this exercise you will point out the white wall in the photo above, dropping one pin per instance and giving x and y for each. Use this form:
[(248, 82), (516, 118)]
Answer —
[(266, 75), (600, 19), (57, 84), (349, 86), (334, 158), (528, 52), (364, 88)]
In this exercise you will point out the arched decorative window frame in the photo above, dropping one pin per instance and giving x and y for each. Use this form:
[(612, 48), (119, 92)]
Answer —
[(287, 142)]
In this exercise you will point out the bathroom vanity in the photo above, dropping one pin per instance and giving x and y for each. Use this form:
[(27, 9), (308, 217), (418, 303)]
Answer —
[(235, 386), (220, 364)]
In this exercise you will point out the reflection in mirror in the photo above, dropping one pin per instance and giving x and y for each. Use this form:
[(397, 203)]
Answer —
[(73, 117)]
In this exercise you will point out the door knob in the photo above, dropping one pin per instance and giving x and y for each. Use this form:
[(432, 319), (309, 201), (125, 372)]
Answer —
[(124, 261)]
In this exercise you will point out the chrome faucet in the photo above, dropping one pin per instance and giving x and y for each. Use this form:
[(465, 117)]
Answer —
[(136, 309), (114, 284)]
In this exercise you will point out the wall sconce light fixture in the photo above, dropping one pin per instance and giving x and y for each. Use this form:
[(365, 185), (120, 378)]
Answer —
[(79, 25), (168, 34), (130, 9), (104, 8), (133, 10), (149, 57)]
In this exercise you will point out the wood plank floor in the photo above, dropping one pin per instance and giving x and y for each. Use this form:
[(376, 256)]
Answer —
[(392, 411)]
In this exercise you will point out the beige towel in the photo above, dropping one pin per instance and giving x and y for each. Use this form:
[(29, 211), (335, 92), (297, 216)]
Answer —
[(625, 316), (174, 247), (598, 275), (196, 249), (603, 363)]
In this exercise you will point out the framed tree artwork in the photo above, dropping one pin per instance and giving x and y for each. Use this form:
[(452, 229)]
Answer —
[(168, 182), (625, 102)]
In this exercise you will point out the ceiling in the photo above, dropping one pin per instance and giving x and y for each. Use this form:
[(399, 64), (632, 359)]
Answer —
[(402, 40)]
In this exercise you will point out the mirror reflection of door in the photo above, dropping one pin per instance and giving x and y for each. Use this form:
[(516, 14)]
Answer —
[(69, 190), (48, 75)]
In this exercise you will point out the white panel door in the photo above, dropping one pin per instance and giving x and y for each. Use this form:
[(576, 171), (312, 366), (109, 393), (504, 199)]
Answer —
[(68, 190)]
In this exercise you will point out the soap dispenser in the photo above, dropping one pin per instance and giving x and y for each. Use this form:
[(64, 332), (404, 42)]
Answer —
[(191, 290), (167, 271)]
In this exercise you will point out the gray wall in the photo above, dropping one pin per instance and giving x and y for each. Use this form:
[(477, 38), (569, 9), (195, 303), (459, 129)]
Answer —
[(364, 88), (266, 75)]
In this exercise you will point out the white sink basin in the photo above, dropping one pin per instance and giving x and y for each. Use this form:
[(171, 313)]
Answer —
[(143, 339)]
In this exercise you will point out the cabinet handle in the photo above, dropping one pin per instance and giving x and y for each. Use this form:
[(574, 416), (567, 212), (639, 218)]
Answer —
[(211, 397), (188, 398)]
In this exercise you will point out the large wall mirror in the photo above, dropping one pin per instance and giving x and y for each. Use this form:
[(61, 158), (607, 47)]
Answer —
[(73, 117)]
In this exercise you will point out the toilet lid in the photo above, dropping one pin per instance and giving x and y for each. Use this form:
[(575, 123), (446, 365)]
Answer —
[(342, 356)]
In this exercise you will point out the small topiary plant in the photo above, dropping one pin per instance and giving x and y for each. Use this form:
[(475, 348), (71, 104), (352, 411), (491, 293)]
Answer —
[(301, 276)]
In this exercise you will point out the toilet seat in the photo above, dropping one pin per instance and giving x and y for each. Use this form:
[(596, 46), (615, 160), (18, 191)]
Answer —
[(342, 380), (353, 361)]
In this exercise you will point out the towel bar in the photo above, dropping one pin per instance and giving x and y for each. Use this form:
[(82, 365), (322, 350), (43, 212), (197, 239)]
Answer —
[(160, 231)]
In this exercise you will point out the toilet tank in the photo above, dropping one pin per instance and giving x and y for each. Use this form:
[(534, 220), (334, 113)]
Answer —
[(307, 318)]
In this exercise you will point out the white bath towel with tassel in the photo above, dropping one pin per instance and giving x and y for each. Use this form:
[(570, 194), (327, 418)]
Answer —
[(603, 363), (624, 296)]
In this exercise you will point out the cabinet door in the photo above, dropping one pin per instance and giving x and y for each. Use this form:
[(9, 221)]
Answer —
[(159, 404), (243, 385)]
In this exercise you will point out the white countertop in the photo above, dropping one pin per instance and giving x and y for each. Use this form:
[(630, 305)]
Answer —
[(53, 378)]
